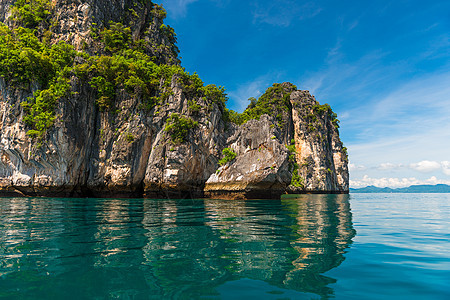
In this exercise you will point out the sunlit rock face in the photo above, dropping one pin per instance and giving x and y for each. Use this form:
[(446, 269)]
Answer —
[(261, 167), (265, 162), (320, 154), (125, 151)]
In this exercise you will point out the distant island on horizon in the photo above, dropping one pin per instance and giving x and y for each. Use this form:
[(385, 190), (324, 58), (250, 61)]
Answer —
[(438, 188)]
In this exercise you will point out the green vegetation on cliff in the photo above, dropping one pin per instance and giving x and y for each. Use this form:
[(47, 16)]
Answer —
[(178, 127), (296, 179), (24, 59), (274, 102), (325, 109), (123, 64), (116, 64), (32, 12), (228, 155)]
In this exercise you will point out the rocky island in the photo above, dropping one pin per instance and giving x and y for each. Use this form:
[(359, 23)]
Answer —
[(94, 103)]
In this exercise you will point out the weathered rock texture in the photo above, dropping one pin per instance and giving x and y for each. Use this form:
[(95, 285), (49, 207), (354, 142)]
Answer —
[(320, 154), (75, 19), (264, 166), (261, 167), (126, 151)]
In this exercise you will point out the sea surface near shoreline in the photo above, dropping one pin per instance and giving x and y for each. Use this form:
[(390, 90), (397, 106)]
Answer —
[(357, 246)]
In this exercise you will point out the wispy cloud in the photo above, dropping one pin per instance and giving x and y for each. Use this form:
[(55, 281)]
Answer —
[(446, 167), (283, 12), (353, 167), (395, 182), (410, 123), (339, 77), (177, 8), (425, 166), (389, 166)]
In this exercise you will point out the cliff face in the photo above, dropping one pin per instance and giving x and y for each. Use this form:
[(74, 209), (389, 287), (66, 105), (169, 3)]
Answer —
[(261, 166), (320, 155), (75, 21), (303, 154), (115, 115)]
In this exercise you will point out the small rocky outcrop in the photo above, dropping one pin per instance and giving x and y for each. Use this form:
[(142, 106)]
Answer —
[(105, 110), (261, 167), (266, 166)]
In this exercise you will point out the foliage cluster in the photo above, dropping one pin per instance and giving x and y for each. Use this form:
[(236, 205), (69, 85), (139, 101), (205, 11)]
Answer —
[(215, 94), (178, 127), (325, 109), (40, 108), (130, 70), (275, 101), (31, 12), (117, 37), (345, 152), (129, 137), (168, 32), (228, 155), (296, 179), (194, 88), (23, 59), (233, 116), (158, 11)]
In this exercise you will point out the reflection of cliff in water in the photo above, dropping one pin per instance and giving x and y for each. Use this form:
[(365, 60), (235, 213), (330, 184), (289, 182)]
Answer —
[(324, 232), (169, 249), (287, 243)]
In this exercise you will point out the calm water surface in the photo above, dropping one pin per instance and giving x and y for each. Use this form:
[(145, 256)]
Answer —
[(362, 246)]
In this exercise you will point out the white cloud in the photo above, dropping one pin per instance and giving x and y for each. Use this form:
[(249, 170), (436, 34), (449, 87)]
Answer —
[(407, 148), (353, 167), (389, 166), (446, 167), (394, 182), (426, 166)]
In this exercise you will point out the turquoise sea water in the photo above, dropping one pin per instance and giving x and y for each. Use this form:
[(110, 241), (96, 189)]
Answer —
[(362, 246)]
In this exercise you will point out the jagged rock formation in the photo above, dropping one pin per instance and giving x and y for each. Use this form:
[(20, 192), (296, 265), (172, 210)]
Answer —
[(320, 154), (267, 166), (75, 21), (156, 131), (261, 167)]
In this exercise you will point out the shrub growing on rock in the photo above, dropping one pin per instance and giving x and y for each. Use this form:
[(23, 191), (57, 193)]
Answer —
[(178, 127), (228, 155)]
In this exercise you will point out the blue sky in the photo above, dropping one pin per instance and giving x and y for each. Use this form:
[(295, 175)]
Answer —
[(383, 66)]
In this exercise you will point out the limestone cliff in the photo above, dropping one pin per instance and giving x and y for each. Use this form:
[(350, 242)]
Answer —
[(93, 102), (299, 151)]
